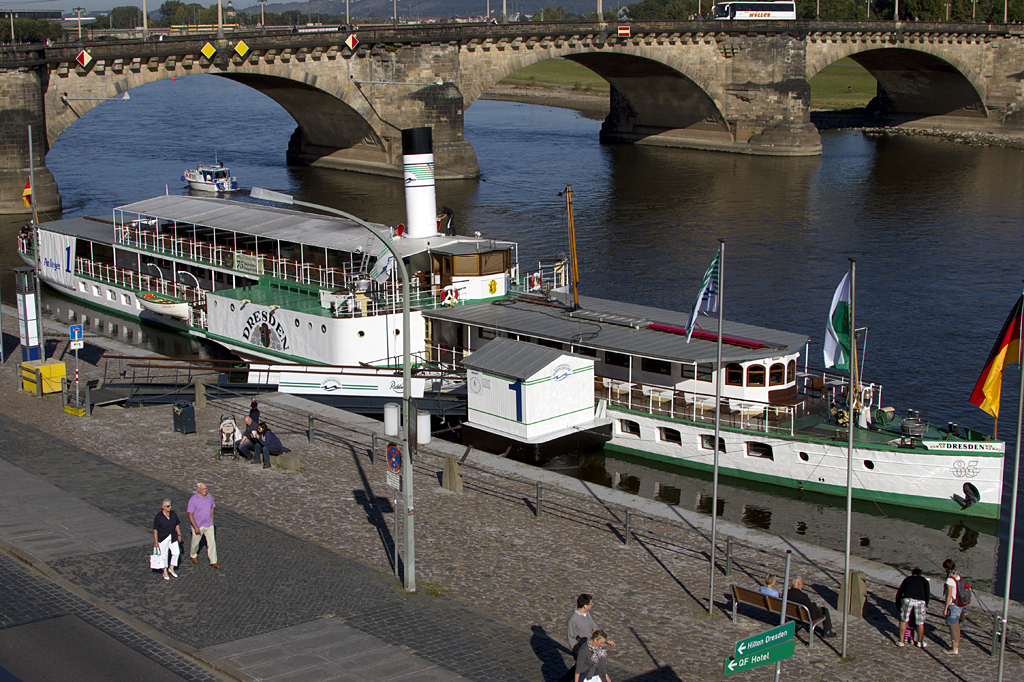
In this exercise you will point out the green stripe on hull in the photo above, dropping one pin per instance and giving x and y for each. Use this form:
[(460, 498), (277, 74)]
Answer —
[(985, 510)]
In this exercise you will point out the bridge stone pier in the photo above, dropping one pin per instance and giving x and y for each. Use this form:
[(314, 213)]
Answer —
[(739, 87)]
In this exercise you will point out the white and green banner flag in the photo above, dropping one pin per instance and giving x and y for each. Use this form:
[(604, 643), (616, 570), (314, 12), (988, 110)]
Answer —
[(707, 297), (837, 330)]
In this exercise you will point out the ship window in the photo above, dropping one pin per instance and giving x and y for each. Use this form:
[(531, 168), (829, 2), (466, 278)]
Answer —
[(111, 296), (550, 344), (705, 372), (656, 366), (755, 375), (466, 266), (761, 450), (309, 324), (628, 426), (96, 291), (688, 371), (126, 299), (323, 328), (296, 322), (82, 287), (733, 375), (232, 307), (589, 352), (360, 333), (616, 359), (493, 262), (777, 374), (670, 436), (397, 331), (804, 457), (486, 333), (868, 464), (791, 372), (707, 441)]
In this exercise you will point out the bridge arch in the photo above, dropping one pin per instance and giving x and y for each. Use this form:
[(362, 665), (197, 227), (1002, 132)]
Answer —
[(915, 79)]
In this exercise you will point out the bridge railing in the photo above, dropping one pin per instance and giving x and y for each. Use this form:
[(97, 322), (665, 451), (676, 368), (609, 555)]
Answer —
[(169, 43)]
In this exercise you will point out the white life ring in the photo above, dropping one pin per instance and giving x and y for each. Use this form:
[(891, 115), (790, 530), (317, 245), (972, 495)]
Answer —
[(535, 281), (450, 296)]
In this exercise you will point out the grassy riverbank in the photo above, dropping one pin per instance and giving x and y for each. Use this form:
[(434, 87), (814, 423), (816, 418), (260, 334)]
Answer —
[(840, 86)]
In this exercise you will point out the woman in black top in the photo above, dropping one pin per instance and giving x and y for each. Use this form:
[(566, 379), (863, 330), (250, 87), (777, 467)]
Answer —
[(167, 535)]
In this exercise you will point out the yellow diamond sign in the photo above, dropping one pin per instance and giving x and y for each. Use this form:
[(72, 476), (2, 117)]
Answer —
[(241, 48), (208, 51)]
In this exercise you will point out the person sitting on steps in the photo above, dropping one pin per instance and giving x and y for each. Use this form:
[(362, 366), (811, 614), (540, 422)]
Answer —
[(266, 442)]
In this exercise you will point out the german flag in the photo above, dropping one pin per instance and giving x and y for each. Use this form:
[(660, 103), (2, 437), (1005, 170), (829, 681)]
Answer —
[(1006, 351)]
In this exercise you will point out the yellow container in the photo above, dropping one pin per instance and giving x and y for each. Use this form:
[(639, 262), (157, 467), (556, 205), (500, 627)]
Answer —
[(50, 373)]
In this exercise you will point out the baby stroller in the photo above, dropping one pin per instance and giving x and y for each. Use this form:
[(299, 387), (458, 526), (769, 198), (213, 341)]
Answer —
[(229, 435)]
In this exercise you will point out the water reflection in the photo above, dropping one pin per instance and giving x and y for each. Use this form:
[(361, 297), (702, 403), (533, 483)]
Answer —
[(892, 535)]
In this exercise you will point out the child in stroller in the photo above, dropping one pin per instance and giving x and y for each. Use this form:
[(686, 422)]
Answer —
[(229, 435)]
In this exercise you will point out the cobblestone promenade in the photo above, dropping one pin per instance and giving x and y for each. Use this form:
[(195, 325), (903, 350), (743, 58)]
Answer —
[(308, 555)]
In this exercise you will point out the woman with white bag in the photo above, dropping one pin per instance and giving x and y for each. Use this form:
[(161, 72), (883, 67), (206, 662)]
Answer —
[(590, 661), (166, 537)]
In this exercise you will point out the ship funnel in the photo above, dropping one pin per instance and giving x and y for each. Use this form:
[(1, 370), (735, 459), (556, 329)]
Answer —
[(420, 202)]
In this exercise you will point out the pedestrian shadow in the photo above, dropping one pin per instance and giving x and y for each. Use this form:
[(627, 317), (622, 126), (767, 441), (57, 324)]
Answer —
[(663, 673), (550, 653)]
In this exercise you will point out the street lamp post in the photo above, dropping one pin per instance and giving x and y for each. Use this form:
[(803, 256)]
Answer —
[(410, 536), (79, 11), (220, 20)]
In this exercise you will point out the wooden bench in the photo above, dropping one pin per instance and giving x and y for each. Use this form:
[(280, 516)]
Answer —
[(794, 612)]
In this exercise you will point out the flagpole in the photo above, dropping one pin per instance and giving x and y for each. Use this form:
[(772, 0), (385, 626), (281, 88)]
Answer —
[(1013, 496), (851, 402), (718, 423)]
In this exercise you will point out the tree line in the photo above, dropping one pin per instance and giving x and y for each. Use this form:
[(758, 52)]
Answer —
[(964, 11)]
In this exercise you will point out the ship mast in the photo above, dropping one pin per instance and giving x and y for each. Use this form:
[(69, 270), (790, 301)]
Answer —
[(572, 250)]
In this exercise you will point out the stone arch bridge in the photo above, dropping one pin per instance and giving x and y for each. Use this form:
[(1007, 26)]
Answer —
[(725, 86)]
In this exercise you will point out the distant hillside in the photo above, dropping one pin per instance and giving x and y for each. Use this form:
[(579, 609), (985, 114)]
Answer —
[(360, 9)]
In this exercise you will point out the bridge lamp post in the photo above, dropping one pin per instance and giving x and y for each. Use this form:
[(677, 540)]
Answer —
[(947, 11), (74, 9), (407, 415), (145, 20)]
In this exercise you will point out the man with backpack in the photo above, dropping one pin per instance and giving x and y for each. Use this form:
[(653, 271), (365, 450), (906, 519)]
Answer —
[(958, 595)]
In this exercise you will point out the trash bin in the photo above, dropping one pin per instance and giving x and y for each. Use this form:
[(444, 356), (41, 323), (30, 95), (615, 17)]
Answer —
[(858, 594), (184, 417)]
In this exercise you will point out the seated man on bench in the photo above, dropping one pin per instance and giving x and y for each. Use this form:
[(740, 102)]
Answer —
[(798, 596), (266, 442)]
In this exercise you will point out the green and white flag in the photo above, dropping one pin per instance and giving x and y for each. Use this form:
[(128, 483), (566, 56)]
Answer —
[(837, 330), (707, 297), (385, 262)]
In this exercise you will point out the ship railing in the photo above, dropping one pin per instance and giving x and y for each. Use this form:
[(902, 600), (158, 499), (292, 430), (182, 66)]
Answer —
[(751, 415), (831, 389), (552, 274), (137, 281)]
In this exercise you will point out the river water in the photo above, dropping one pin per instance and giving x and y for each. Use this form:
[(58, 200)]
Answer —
[(935, 228)]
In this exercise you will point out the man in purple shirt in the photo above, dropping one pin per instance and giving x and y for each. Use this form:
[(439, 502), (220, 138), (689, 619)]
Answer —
[(200, 515)]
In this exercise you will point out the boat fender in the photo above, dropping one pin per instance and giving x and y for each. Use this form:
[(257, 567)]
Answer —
[(451, 295)]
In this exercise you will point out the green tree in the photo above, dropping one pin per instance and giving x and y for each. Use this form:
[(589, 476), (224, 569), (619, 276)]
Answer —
[(125, 17)]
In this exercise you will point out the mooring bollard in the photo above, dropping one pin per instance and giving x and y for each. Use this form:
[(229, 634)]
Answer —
[(373, 448), (540, 492), (728, 556), (311, 433), (629, 524)]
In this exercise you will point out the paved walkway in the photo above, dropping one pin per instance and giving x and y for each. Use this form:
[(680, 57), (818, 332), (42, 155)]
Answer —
[(307, 591)]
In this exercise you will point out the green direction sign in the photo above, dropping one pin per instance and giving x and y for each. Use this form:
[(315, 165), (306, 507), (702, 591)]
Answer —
[(766, 639), (779, 652)]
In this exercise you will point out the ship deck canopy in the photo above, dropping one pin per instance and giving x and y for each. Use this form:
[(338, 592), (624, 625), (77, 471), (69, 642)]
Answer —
[(620, 328), (271, 222)]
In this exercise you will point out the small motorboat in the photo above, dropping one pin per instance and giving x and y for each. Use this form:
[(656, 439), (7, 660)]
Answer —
[(215, 178)]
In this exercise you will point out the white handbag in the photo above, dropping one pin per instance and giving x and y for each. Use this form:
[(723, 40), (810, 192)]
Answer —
[(158, 559)]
